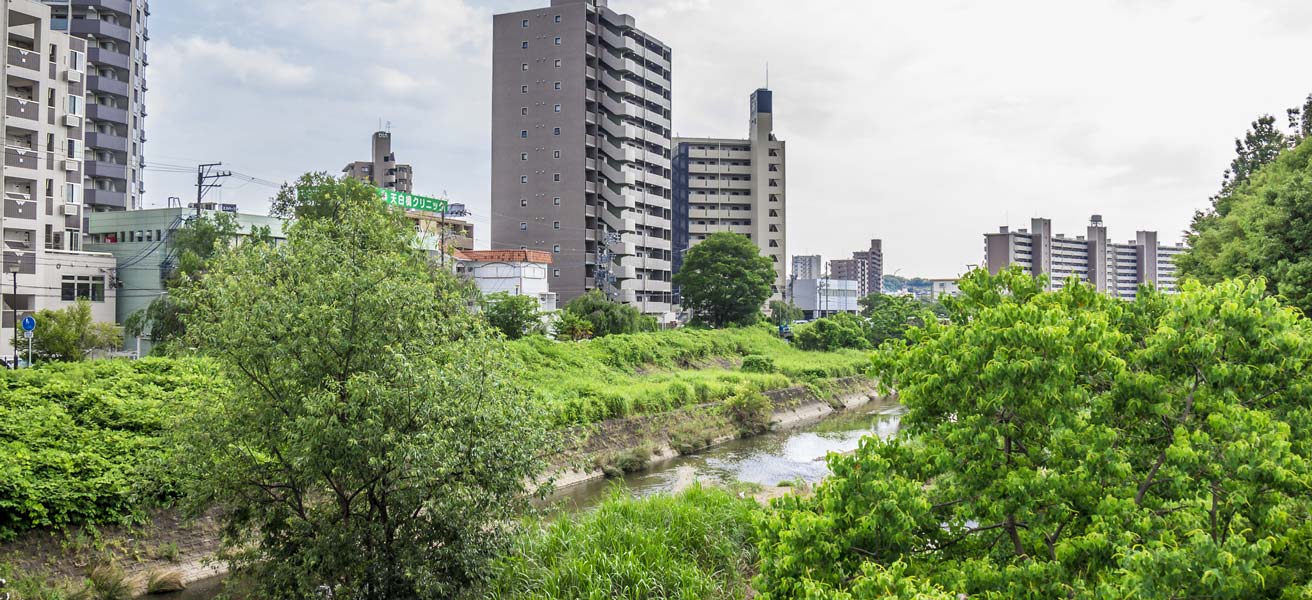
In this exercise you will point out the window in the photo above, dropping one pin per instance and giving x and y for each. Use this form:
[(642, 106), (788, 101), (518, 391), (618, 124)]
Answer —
[(555, 224), (523, 134), (557, 18), (774, 183), (774, 229), (555, 177), (555, 273), (523, 201), (75, 149), (523, 89), (523, 45), (774, 152), (774, 243), (774, 168), (523, 226), (523, 156), (523, 178), (82, 287), (72, 193), (556, 248), (557, 108), (523, 66), (557, 41), (555, 154), (523, 111), (557, 63), (774, 213), (74, 104), (556, 85), (556, 200), (774, 197), (556, 131), (524, 24)]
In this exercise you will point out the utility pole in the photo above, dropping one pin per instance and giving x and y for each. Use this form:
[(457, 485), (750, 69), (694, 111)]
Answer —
[(207, 179)]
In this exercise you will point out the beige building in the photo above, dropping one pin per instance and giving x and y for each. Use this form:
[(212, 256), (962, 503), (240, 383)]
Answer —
[(866, 267), (735, 185), (581, 150), (44, 168), (382, 169)]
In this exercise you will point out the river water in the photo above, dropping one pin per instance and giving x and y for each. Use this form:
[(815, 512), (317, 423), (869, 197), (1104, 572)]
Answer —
[(793, 454)]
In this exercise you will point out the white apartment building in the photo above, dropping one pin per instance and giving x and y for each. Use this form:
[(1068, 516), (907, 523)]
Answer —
[(808, 266), (514, 272), (735, 185), (581, 150), (43, 265), (1112, 268), (823, 297)]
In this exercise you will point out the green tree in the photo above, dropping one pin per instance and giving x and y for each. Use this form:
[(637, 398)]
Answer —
[(608, 317), (831, 333), (1064, 444), (69, 334), (1263, 228), (375, 444), (783, 313), (572, 327), (725, 280), (888, 317), (514, 316)]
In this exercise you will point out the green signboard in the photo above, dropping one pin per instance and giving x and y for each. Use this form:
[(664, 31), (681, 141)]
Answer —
[(411, 201)]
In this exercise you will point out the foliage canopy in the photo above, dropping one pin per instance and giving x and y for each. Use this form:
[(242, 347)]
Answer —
[(725, 280)]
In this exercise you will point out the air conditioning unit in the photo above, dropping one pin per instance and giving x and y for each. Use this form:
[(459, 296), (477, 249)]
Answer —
[(74, 76), (70, 209), (71, 165), (72, 121)]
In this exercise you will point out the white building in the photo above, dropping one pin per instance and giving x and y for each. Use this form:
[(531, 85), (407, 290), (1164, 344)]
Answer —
[(43, 264), (823, 297), (808, 266), (939, 288), (514, 272)]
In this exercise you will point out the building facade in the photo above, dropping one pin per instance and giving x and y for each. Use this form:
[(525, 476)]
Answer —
[(44, 263), (1112, 268), (115, 35), (581, 150), (823, 297), (866, 267), (736, 185), (514, 272), (810, 266), (382, 170)]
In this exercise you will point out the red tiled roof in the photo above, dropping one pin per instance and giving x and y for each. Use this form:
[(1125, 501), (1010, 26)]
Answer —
[(532, 256)]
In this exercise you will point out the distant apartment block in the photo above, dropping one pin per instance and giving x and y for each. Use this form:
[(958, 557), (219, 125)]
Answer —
[(581, 150), (1112, 268), (822, 297), (45, 158), (381, 169), (115, 35), (866, 267), (940, 288), (735, 185), (809, 266)]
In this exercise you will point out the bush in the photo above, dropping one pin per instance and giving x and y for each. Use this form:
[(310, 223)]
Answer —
[(758, 364), (750, 410), (164, 582), (837, 332)]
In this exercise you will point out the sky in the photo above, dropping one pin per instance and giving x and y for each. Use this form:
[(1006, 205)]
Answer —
[(924, 124)]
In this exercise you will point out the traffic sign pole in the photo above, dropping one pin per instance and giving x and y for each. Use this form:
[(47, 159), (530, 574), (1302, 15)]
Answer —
[(29, 332)]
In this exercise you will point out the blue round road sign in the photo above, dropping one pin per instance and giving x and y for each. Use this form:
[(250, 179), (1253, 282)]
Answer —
[(29, 323)]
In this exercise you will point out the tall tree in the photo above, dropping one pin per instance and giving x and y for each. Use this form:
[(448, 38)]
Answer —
[(888, 317), (375, 445), (69, 334), (513, 316), (607, 317), (725, 280), (783, 313)]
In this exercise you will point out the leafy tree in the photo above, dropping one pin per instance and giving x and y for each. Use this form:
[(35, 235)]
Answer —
[(572, 327), (783, 313), (608, 317), (313, 196), (69, 334), (1263, 228), (888, 317), (514, 316), (725, 280), (375, 444), (1065, 444), (831, 333)]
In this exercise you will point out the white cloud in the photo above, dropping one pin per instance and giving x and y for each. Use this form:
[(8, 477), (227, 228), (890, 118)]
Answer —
[(245, 66)]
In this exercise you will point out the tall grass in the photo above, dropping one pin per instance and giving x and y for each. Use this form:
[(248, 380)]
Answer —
[(622, 375), (696, 545)]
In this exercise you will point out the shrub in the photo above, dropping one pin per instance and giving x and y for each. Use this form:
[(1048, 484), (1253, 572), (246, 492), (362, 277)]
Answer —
[(750, 410), (832, 333), (164, 582), (107, 582), (759, 364)]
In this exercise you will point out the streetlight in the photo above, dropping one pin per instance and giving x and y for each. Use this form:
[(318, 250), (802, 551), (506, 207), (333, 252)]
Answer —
[(14, 268)]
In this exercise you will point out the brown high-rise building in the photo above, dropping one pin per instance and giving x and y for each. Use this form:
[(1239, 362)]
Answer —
[(866, 267), (383, 170)]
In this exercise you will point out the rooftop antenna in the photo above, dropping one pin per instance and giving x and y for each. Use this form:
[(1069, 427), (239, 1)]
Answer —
[(389, 127), (767, 74)]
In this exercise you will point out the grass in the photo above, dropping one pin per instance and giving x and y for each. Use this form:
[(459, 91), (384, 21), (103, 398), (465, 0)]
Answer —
[(698, 544), (646, 373)]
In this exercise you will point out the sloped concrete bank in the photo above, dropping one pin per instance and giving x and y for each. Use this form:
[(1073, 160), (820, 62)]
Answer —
[(652, 439)]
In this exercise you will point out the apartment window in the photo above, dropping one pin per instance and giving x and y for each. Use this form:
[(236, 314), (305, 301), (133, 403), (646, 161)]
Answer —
[(555, 224), (523, 202), (75, 149), (523, 89), (555, 273), (557, 63), (557, 41), (774, 213), (774, 229), (523, 45), (774, 243), (555, 177), (523, 156), (82, 287), (774, 183), (556, 131), (774, 197), (557, 108), (557, 18), (523, 134), (524, 24), (523, 66), (523, 178), (72, 193), (556, 200), (774, 152), (556, 248), (556, 85), (555, 154), (75, 60), (523, 226), (523, 111), (774, 168)]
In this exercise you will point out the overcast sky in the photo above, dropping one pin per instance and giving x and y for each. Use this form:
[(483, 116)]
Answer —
[(922, 123)]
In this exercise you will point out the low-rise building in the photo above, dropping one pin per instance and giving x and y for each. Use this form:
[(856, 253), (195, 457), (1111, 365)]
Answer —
[(514, 272), (938, 288), (823, 297)]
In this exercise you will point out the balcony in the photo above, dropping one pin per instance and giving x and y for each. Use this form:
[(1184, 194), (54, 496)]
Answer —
[(19, 158), (25, 59), (100, 28), (19, 209), (108, 58), (24, 109), (96, 83), (118, 6), (95, 197), (104, 112), (107, 170), (107, 141)]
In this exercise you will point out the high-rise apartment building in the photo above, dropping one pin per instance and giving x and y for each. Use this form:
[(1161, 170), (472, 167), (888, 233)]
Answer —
[(382, 170), (116, 36), (44, 265), (581, 150), (1114, 269), (866, 267), (809, 266), (735, 185)]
